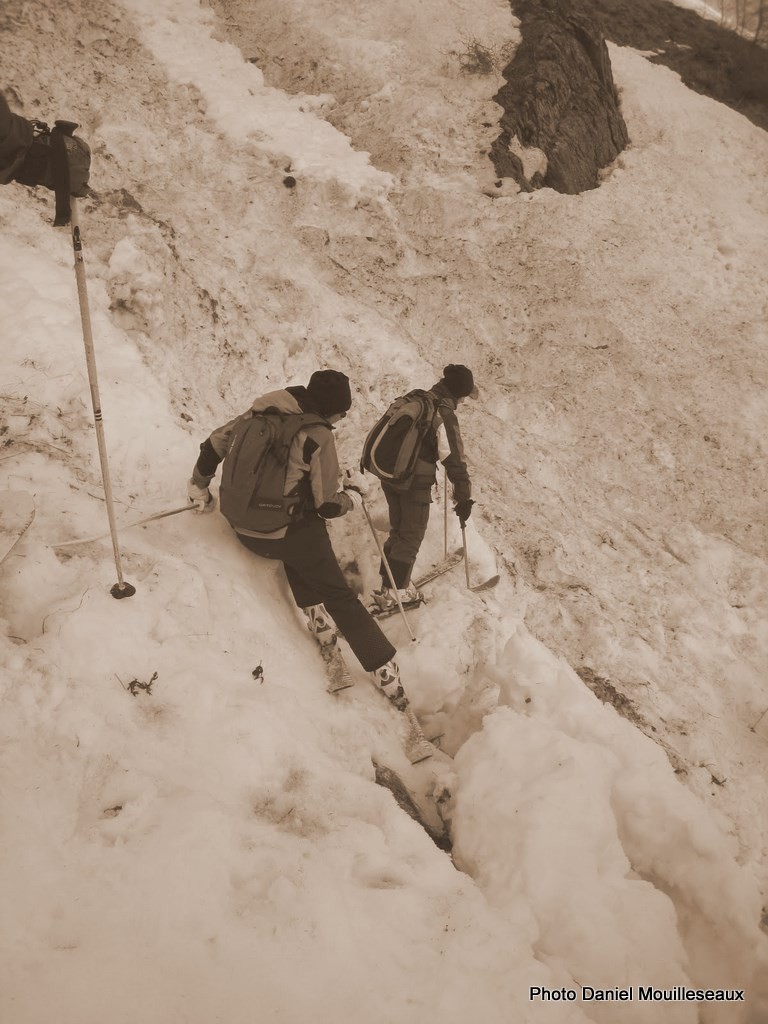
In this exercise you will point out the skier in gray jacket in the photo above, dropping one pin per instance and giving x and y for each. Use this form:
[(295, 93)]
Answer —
[(303, 546)]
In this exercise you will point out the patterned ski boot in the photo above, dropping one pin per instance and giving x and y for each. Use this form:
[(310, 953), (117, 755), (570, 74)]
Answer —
[(417, 746), (384, 601), (320, 626)]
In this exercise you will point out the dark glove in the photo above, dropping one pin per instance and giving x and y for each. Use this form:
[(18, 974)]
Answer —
[(38, 166), (463, 510)]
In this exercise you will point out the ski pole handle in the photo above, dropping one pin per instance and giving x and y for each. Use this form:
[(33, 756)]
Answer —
[(67, 127), (445, 515)]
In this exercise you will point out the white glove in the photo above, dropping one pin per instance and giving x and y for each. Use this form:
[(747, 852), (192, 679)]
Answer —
[(200, 498), (355, 497), (355, 481)]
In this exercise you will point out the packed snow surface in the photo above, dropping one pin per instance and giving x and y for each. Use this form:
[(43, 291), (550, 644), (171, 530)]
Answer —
[(305, 184)]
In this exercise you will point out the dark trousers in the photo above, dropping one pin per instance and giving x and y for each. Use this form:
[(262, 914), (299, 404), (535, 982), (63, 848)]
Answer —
[(408, 519), (315, 577)]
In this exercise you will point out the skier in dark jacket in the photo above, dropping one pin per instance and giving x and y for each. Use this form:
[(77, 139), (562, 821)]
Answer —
[(409, 509), (26, 159), (303, 546)]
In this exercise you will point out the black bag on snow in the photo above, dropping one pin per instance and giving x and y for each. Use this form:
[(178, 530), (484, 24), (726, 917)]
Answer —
[(255, 468), (392, 447)]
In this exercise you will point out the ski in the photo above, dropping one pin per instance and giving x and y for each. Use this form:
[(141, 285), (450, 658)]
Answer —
[(417, 746), (488, 585), (335, 667), (423, 790), (479, 588), (439, 569), (449, 564), (385, 613), (424, 777)]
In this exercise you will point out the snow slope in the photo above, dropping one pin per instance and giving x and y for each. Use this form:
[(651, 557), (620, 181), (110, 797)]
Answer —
[(215, 848)]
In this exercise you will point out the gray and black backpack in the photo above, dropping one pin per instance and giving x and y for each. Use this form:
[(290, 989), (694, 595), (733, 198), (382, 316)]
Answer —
[(255, 468), (393, 446)]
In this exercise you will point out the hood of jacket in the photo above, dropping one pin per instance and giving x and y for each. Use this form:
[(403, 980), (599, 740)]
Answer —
[(286, 400), (444, 394)]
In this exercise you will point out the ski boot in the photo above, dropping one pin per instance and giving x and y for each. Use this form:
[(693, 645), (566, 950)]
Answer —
[(417, 746), (384, 601), (320, 626)]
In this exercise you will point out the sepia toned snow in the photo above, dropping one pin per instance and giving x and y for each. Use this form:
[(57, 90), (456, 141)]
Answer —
[(283, 187)]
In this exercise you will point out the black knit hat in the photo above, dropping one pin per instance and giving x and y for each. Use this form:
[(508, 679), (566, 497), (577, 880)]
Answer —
[(459, 381), (329, 392)]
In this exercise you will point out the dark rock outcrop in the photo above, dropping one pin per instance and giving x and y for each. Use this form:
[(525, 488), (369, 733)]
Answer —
[(559, 98), (710, 58)]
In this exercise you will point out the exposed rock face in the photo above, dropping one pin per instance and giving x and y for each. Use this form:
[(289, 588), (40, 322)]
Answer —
[(560, 99)]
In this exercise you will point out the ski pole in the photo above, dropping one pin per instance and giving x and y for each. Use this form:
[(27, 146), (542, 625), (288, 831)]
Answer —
[(124, 526), (389, 571), (121, 588), (445, 516), (466, 556)]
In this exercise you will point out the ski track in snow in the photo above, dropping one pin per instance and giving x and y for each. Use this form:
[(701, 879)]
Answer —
[(191, 852)]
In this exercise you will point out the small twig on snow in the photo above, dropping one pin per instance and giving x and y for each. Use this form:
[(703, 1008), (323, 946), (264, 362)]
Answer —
[(136, 685)]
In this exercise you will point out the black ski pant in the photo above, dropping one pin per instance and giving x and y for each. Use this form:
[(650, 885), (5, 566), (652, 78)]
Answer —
[(315, 577), (408, 519)]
